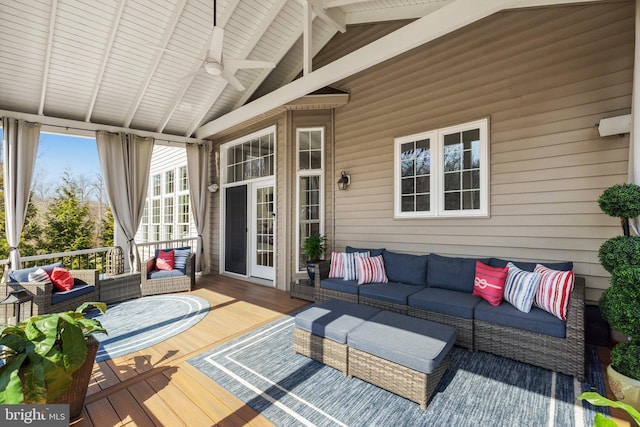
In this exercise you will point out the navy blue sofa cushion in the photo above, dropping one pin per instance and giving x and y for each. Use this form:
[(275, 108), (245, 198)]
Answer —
[(408, 341), (537, 320), (530, 266), (22, 275), (80, 288), (339, 285), (445, 301), (391, 292), (405, 268), (372, 252), (334, 319), (456, 274)]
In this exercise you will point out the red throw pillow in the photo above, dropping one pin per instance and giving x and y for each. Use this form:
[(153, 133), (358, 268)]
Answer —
[(489, 282), (62, 279), (165, 260)]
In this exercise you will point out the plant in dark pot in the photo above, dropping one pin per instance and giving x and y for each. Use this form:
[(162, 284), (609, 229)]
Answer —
[(314, 247), (620, 303), (49, 358)]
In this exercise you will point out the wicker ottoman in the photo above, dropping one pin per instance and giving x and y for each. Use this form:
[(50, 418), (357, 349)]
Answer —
[(402, 354), (321, 331)]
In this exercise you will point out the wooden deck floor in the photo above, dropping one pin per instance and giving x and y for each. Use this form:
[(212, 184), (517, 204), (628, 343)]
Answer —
[(157, 387)]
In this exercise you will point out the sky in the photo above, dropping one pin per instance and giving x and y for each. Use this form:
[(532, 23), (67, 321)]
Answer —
[(57, 153)]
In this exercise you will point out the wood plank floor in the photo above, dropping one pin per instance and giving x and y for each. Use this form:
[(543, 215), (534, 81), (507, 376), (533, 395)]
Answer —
[(157, 387)]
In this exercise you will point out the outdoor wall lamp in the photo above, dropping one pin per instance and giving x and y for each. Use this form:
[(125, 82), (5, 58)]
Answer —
[(344, 181)]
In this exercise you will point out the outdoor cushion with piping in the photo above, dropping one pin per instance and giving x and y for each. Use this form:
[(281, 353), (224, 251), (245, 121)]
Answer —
[(340, 285), (537, 320), (162, 274), (406, 268), (22, 275), (445, 301), (530, 266), (80, 288), (396, 293), (456, 274)]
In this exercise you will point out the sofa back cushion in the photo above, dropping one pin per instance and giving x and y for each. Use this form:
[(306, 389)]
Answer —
[(530, 266), (372, 252), (456, 274), (22, 275), (406, 268)]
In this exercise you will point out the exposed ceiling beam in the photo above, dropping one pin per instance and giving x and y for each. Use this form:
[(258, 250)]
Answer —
[(393, 13), (246, 50), (151, 69), (295, 71), (84, 127), (333, 17), (445, 20), (307, 37), (47, 60), (105, 57), (228, 11), (339, 3)]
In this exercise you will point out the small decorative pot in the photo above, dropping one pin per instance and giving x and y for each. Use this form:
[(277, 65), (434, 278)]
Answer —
[(625, 389)]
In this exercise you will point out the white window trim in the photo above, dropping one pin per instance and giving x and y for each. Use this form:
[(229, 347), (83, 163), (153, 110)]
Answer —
[(436, 138), (305, 173)]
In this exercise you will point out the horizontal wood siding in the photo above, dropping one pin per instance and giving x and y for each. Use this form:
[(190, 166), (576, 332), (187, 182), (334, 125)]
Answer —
[(544, 77)]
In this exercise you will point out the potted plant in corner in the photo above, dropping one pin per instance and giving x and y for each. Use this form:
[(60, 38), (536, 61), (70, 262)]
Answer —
[(314, 247), (49, 358), (620, 303)]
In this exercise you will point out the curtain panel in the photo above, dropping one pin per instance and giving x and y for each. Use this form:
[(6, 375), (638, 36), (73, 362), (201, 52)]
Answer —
[(19, 156), (198, 170), (125, 160)]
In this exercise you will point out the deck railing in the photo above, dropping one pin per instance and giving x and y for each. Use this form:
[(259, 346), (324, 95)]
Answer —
[(97, 257)]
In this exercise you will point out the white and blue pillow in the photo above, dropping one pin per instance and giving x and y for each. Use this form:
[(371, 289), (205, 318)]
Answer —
[(349, 263), (181, 255), (520, 287)]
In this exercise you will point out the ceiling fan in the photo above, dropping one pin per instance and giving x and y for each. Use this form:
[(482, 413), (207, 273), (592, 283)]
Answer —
[(215, 65)]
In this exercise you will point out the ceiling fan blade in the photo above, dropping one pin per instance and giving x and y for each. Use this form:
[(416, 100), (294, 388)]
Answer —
[(215, 49), (232, 80), (246, 63)]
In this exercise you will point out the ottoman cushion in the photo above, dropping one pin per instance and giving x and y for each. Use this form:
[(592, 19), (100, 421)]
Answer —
[(333, 319), (408, 341)]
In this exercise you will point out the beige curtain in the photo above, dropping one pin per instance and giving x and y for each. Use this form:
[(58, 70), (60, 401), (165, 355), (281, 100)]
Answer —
[(19, 155), (198, 171), (125, 160)]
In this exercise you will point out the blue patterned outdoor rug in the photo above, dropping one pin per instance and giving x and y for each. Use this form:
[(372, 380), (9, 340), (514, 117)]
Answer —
[(140, 323), (479, 389)]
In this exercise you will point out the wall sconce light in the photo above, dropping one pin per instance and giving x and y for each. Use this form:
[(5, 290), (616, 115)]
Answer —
[(344, 181)]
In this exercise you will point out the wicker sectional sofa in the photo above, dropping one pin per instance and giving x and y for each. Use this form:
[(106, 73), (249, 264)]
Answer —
[(439, 289)]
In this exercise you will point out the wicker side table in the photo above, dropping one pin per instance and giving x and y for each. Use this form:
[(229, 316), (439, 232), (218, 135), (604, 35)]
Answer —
[(120, 287), (302, 289)]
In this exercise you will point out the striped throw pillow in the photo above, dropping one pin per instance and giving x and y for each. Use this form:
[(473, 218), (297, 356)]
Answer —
[(39, 276), (371, 270), (489, 282), (180, 258), (554, 291), (337, 266), (521, 287), (349, 264)]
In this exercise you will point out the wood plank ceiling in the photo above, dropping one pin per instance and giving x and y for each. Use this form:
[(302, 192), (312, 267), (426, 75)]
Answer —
[(138, 64)]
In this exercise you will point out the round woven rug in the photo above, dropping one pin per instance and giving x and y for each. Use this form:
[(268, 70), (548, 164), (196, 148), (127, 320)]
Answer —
[(140, 323)]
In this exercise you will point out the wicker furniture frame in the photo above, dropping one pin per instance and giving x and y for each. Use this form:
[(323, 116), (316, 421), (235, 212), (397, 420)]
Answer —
[(464, 327), (168, 284), (564, 355), (406, 382), (121, 287), (383, 305), (42, 293), (327, 351)]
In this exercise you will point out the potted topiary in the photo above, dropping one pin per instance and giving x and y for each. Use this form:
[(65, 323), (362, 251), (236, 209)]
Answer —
[(49, 358), (314, 247), (620, 303)]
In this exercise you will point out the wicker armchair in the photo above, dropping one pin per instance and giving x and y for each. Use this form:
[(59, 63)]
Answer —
[(165, 285), (42, 293)]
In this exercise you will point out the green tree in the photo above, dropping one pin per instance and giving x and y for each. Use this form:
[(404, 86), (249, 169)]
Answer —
[(106, 231), (68, 224)]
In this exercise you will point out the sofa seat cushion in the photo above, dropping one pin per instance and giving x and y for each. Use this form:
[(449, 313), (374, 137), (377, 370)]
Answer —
[(163, 274), (334, 319), (537, 320), (396, 293), (80, 288), (406, 268), (445, 301), (340, 285), (456, 274), (408, 341)]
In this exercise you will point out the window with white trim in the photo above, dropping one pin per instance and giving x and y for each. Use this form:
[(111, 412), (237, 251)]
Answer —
[(443, 172), (310, 201)]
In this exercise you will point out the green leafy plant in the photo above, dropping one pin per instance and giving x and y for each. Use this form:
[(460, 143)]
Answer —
[(621, 201), (42, 353), (597, 400), (314, 246), (620, 252)]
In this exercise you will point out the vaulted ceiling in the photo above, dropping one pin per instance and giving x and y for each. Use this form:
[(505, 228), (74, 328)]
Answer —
[(138, 64)]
